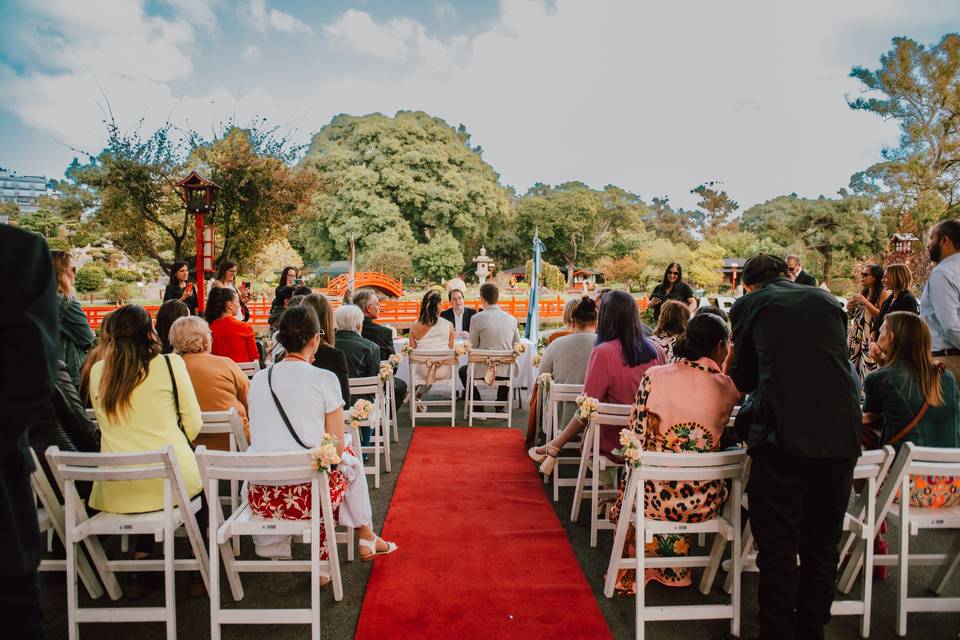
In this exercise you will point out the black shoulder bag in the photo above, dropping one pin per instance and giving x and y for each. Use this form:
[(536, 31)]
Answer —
[(283, 414), (176, 399)]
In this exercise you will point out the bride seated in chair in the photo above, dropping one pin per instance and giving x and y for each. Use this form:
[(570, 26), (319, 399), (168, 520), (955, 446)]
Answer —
[(431, 333)]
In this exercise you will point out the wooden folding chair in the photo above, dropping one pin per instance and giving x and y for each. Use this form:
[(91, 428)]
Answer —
[(484, 359), (72, 467), (280, 468), (379, 441), (249, 369), (608, 416), (556, 397), (390, 401), (433, 358)]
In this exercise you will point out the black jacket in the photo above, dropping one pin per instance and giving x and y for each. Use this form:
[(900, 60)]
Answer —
[(790, 353), (29, 344), (467, 314), (379, 335), (805, 278), (173, 291), (905, 301), (335, 361), (362, 355)]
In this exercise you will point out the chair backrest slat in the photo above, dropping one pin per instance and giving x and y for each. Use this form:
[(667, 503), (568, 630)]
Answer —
[(262, 467), (691, 466), (144, 465), (564, 392), (364, 386)]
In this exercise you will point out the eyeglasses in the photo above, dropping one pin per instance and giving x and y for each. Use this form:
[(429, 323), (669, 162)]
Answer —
[(673, 273)]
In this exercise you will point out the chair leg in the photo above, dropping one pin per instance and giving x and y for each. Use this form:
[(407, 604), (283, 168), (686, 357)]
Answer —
[(867, 542), (639, 600), (214, 593), (169, 582), (581, 477), (946, 570), (903, 567), (71, 548), (619, 539), (594, 500)]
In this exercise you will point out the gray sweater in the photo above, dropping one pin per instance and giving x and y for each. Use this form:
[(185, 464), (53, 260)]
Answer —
[(566, 359)]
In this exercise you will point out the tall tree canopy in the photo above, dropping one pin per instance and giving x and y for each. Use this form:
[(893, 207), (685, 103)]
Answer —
[(397, 183), (717, 207), (919, 87), (134, 180)]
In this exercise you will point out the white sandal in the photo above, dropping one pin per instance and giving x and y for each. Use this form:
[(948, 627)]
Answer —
[(372, 546)]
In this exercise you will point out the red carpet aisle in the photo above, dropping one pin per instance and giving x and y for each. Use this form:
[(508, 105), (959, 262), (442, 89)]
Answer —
[(482, 553)]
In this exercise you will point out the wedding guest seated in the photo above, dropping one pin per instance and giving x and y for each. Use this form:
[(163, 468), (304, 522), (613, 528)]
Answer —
[(908, 389), (219, 383), (280, 302), (431, 332), (369, 304), (568, 325), (494, 329), (76, 336), (713, 309), (897, 279), (311, 401), (674, 316), (363, 356), (232, 338), (666, 420), (168, 313), (141, 398), (617, 363), (328, 356), (458, 314)]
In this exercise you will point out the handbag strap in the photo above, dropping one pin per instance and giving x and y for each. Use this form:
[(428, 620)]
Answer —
[(910, 427), (283, 414), (176, 398)]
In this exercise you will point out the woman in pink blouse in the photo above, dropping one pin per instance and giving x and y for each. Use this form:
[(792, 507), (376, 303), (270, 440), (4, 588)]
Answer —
[(681, 407), (617, 364)]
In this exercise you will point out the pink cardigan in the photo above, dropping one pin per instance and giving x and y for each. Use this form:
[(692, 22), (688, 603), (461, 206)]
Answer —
[(609, 379)]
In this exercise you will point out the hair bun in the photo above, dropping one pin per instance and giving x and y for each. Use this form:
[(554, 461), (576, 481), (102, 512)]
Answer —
[(587, 304)]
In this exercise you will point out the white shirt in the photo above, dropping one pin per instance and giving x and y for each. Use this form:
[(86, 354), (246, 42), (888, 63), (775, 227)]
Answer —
[(458, 320), (307, 395), (940, 304)]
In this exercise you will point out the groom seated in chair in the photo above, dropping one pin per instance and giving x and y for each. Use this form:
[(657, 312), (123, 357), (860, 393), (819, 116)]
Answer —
[(492, 328), (378, 334)]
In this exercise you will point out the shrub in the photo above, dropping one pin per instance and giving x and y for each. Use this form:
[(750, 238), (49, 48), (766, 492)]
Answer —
[(90, 277), (316, 281), (393, 262), (58, 244), (125, 275), (118, 293), (550, 275), (842, 286), (439, 259)]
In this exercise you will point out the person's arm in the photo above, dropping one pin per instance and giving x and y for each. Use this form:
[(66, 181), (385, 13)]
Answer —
[(83, 433), (190, 413), (638, 417), (549, 355), (373, 363), (241, 384), (29, 332), (250, 344), (333, 424), (451, 337), (343, 376), (945, 297), (333, 406), (744, 368)]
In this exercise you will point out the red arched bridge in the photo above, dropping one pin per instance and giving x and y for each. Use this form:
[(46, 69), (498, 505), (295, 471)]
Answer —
[(365, 280)]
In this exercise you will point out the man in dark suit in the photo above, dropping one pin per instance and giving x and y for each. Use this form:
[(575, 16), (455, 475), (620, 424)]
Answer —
[(458, 314), (29, 336), (796, 273), (378, 334), (790, 353)]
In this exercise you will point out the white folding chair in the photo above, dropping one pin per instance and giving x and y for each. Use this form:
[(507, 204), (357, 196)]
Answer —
[(484, 359), (914, 461), (556, 397), (379, 441), (227, 423), (249, 368), (280, 468), (162, 465), (663, 467), (51, 520), (390, 401), (609, 416), (433, 358)]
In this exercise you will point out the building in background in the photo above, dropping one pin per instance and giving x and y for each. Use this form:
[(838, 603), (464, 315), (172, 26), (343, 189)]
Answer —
[(23, 191)]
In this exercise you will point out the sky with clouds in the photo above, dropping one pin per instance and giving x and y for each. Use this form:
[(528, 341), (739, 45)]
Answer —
[(655, 97)]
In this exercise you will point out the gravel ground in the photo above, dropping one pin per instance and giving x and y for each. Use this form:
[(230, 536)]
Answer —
[(339, 618)]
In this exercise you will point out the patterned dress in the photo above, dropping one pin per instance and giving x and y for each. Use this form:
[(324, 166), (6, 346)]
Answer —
[(292, 502), (858, 342), (680, 407)]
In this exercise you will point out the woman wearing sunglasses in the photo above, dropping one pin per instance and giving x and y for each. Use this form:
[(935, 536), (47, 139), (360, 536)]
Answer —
[(672, 288)]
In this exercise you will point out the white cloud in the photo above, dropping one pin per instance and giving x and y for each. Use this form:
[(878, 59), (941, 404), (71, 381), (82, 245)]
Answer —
[(251, 53), (398, 39), (444, 10), (198, 12), (275, 19)]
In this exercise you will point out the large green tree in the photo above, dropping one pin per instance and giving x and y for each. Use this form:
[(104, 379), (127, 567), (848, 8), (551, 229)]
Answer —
[(398, 182), (675, 225), (919, 87), (134, 181), (717, 208)]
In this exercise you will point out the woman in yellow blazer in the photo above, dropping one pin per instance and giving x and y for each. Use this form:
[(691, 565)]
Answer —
[(132, 394)]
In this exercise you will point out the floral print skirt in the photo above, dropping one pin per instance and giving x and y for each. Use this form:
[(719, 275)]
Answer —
[(292, 502)]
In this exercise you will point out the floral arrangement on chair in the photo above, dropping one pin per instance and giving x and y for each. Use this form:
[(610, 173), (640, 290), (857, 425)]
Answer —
[(630, 447), (519, 348), (395, 359), (544, 380), (386, 371), (407, 350), (325, 455), (360, 411), (462, 348), (587, 407), (537, 357)]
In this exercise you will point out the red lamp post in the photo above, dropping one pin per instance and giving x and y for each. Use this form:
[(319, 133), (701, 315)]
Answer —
[(198, 198)]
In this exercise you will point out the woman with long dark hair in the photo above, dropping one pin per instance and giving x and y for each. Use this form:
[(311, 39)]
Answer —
[(180, 288), (167, 314), (907, 386), (76, 336), (617, 363), (288, 278), (681, 407), (863, 308), (227, 278), (231, 337), (672, 287), (432, 332), (137, 408)]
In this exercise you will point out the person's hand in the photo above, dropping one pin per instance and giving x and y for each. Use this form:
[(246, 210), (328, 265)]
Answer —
[(655, 301), (877, 354), (857, 299), (187, 292)]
